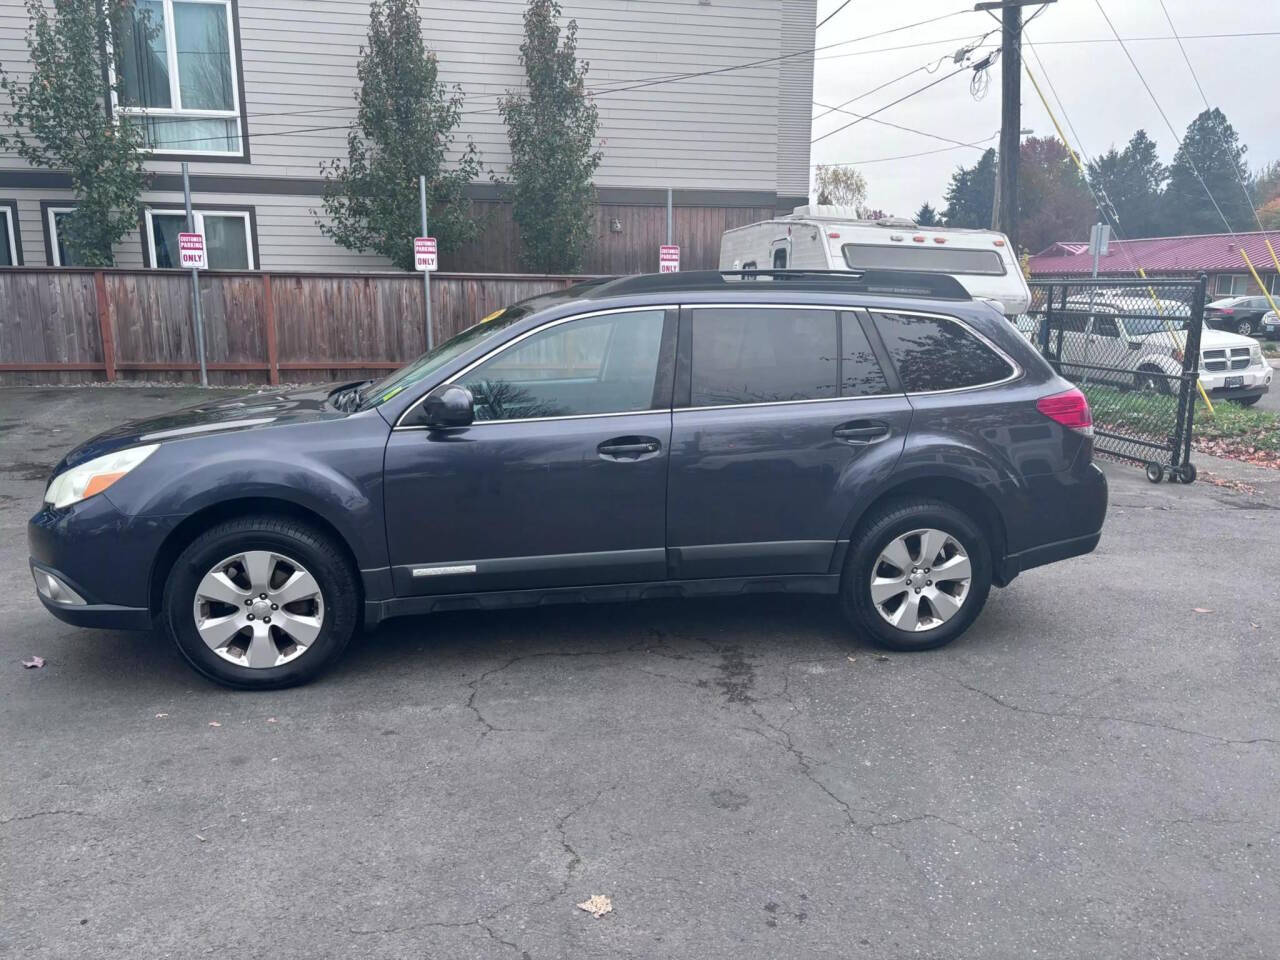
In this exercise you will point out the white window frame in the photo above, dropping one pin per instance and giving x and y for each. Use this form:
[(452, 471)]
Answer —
[(12, 232), (175, 92), (1231, 279), (198, 216), (51, 212)]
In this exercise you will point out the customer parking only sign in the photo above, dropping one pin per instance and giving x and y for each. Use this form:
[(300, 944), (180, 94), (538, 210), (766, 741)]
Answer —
[(191, 251)]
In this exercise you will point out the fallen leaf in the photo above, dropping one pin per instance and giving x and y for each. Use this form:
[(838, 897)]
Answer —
[(1202, 610), (882, 658), (597, 906), (271, 719), (35, 663), (161, 716), (214, 723), (201, 839), (851, 659)]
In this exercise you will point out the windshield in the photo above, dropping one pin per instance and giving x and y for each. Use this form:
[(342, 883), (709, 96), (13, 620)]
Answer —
[(431, 361)]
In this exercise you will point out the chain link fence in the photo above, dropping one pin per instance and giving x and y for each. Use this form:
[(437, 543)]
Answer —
[(1133, 347)]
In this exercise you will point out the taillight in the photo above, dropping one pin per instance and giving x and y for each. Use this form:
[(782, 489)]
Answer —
[(1225, 311), (1070, 409)]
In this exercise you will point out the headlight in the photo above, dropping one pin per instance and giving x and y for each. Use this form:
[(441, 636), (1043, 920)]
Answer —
[(94, 476)]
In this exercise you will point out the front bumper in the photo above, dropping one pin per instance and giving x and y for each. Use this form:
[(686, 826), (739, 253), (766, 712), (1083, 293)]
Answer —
[(1254, 382), (104, 557)]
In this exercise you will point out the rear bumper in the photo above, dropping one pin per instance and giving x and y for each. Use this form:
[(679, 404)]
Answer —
[(1066, 511), (1015, 563)]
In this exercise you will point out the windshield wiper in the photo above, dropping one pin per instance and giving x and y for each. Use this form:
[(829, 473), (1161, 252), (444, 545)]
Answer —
[(348, 399)]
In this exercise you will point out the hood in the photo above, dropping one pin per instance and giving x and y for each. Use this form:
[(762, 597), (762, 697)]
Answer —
[(253, 412), (1211, 339)]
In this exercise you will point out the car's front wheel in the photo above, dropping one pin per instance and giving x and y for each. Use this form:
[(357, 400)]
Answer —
[(261, 602), (917, 575), (1244, 327)]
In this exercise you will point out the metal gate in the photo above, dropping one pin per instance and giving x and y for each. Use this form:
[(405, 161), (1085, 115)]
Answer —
[(1133, 347)]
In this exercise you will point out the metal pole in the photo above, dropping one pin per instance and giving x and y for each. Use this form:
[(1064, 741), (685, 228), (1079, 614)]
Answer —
[(195, 282), (668, 216), (426, 274)]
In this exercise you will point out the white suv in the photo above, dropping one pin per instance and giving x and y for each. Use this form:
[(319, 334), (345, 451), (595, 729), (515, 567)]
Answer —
[(1110, 339)]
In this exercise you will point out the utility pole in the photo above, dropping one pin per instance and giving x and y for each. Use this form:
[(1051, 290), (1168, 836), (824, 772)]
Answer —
[(1010, 110)]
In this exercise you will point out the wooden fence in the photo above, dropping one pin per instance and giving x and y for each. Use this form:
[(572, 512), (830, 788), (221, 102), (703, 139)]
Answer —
[(78, 325)]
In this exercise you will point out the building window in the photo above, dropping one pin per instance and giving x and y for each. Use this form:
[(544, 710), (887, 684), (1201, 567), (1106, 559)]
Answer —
[(228, 237), (180, 70), (59, 255), (1231, 284), (10, 241)]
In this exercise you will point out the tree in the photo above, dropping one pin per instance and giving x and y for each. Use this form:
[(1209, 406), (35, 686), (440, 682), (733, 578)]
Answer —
[(1211, 150), (1132, 180), (1053, 200), (841, 186), (60, 119), (403, 129), (971, 194), (926, 216), (551, 128)]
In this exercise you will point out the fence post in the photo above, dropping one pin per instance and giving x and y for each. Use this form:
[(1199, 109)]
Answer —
[(1190, 374), (269, 316), (105, 325)]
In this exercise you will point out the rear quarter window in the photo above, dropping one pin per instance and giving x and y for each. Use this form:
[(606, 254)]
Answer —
[(932, 353)]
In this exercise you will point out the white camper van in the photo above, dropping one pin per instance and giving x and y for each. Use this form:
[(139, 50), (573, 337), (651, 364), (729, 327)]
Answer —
[(833, 238)]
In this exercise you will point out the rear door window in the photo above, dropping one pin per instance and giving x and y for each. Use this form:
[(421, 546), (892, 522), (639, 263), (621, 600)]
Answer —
[(771, 355), (932, 353)]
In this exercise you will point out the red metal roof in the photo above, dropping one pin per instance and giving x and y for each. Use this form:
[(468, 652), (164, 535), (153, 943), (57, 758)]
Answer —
[(1209, 253)]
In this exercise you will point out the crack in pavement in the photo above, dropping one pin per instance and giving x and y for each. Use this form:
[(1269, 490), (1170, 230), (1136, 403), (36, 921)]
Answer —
[(645, 646), (1103, 718), (45, 813)]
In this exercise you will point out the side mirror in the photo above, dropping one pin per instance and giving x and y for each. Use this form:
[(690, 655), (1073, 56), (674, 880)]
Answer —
[(449, 405)]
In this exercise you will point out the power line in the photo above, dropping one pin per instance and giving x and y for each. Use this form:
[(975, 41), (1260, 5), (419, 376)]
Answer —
[(832, 14), (908, 156), (636, 85), (1164, 116), (898, 126), (1235, 169), (1053, 43), (932, 83)]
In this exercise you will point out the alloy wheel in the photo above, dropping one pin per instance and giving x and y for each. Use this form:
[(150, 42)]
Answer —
[(259, 609), (921, 580)]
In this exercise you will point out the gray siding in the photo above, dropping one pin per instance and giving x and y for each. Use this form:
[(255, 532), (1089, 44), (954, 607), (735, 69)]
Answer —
[(795, 98), (745, 130)]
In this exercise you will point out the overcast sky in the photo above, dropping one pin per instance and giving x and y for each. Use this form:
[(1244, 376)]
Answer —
[(1100, 91)]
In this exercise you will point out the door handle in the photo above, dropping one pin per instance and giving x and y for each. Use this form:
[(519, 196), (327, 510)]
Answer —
[(861, 432), (628, 448)]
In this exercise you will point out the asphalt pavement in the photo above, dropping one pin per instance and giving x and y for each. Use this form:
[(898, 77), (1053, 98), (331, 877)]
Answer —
[(1091, 772)]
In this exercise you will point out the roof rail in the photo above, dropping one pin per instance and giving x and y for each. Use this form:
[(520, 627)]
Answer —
[(899, 283)]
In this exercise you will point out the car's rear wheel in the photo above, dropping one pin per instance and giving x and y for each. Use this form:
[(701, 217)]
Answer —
[(261, 602), (917, 575)]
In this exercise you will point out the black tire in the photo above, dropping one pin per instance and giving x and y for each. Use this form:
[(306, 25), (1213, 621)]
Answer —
[(1244, 327), (874, 534), (1187, 473), (1155, 472), (1246, 401), (1153, 380), (320, 556)]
